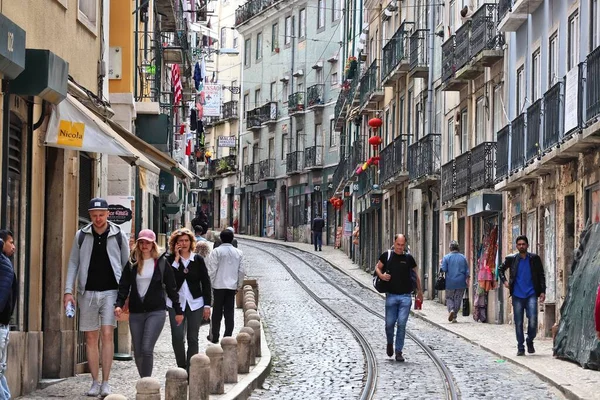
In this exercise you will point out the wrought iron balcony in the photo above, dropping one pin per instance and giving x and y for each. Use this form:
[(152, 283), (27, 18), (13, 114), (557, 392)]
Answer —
[(251, 9), (210, 121), (485, 35), (315, 96), (448, 59), (419, 56), (554, 113), (534, 130), (462, 164), (230, 110), (517, 143), (502, 140), (370, 89), (503, 8), (295, 103), (250, 173), (223, 165), (513, 13), (253, 121), (266, 169), (294, 163), (396, 55), (392, 164), (593, 84), (425, 157), (313, 157), (339, 113), (268, 113), (448, 181), (462, 52), (483, 166), (340, 175)]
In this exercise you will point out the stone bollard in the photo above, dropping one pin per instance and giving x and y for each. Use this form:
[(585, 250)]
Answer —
[(199, 377), (248, 298), (250, 306), (244, 343), (248, 313), (176, 386), (147, 389), (215, 353), (255, 325), (115, 397), (250, 332), (230, 357)]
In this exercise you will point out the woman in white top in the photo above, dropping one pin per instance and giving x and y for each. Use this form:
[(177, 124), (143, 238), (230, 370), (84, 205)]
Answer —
[(145, 282)]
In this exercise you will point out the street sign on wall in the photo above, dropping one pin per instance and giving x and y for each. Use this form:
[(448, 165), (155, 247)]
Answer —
[(227, 141)]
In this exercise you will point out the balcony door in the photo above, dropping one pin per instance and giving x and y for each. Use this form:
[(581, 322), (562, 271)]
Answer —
[(271, 148)]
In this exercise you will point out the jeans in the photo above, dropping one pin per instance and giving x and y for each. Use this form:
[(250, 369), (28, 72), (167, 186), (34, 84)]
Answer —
[(397, 308), (145, 329), (530, 306), (4, 391), (454, 300), (190, 327), (318, 240), (223, 304)]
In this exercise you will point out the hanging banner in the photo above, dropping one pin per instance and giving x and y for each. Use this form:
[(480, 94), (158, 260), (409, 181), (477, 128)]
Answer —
[(212, 100)]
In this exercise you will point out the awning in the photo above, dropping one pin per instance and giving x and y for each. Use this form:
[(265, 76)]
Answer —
[(73, 126)]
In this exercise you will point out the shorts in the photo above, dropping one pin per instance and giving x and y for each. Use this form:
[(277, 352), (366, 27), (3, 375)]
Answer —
[(96, 309)]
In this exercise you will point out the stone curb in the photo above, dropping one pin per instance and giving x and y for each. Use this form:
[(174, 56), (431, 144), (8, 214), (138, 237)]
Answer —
[(567, 392)]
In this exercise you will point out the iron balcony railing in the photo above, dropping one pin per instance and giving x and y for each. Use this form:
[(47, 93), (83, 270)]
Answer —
[(484, 34), (503, 146), (294, 162), (230, 110), (391, 162), (483, 166), (268, 112), (340, 173), (339, 105), (313, 157), (448, 181), (222, 165), (266, 169), (554, 112), (210, 121), (593, 84), (462, 52), (517, 143), (534, 126), (396, 50), (503, 7), (463, 174), (369, 83), (315, 95), (252, 8), (296, 102), (419, 57), (424, 156), (250, 175), (253, 119), (448, 62)]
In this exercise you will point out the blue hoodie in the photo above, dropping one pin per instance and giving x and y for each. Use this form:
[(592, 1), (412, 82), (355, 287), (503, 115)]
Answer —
[(456, 267)]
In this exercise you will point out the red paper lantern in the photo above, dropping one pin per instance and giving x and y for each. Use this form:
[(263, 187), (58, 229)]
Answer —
[(375, 141), (375, 123), (332, 200)]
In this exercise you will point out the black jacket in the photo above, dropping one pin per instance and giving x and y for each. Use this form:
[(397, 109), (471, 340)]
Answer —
[(218, 242), (8, 289), (537, 272), (318, 225), (197, 277), (154, 300)]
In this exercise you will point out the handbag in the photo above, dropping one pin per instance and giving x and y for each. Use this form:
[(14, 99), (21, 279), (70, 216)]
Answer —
[(440, 282), (466, 307), (380, 285)]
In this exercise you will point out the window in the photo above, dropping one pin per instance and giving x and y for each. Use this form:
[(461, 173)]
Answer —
[(236, 35), (288, 30), (286, 92), (520, 90), (386, 125), (273, 91), (451, 17), (336, 9), (498, 109), (393, 120), (450, 154), (259, 46), (223, 37), (536, 72), (384, 36), (247, 49), (401, 116), (320, 76), (464, 131), (275, 37), (318, 138), (594, 23), (479, 121), (302, 27), (332, 133), (257, 99), (409, 117), (553, 60), (573, 41), (439, 96), (284, 143), (320, 14), (246, 104), (334, 79), (87, 13)]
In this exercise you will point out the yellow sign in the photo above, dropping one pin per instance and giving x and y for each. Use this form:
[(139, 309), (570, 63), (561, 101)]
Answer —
[(70, 133)]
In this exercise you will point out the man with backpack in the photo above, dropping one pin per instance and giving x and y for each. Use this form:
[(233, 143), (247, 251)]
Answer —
[(97, 258), (394, 268)]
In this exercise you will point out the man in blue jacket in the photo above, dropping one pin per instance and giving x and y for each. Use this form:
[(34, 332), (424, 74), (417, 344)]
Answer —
[(8, 300), (456, 268)]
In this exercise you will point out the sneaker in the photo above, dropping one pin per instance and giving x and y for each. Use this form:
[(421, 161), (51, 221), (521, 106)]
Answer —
[(94, 390), (530, 348), (390, 349), (211, 340), (520, 353), (399, 356), (451, 316), (105, 389)]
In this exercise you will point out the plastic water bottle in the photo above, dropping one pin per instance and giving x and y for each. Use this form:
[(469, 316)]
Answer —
[(70, 311)]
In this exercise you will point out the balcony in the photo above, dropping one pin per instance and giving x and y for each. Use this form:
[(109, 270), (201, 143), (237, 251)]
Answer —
[(250, 174), (593, 84), (424, 161), (223, 166), (553, 116), (486, 41), (448, 182), (392, 165), (534, 126), (502, 140), (462, 165), (370, 90), (313, 157), (172, 48), (483, 166), (513, 13), (166, 10), (315, 96), (294, 163), (340, 174), (339, 113), (251, 9), (517, 143), (211, 121), (419, 56), (296, 103), (253, 120), (462, 52), (230, 110), (396, 56), (266, 169), (268, 113), (449, 81)]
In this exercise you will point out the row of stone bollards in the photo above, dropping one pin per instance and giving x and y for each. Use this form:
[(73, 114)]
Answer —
[(209, 372)]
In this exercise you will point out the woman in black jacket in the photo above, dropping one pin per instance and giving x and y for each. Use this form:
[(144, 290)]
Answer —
[(193, 285), (145, 282)]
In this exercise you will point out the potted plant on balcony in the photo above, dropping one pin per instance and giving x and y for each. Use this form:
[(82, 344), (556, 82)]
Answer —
[(222, 166), (351, 67)]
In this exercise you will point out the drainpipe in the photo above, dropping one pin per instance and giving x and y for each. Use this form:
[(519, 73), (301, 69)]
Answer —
[(136, 49)]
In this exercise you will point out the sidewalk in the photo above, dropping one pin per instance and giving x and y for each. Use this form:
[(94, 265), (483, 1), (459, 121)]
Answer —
[(574, 381)]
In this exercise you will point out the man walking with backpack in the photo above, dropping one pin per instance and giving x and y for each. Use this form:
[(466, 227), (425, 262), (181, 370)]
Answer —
[(98, 256), (394, 267)]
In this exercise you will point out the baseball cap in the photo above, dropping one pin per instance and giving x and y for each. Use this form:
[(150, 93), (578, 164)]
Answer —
[(98, 203), (229, 228), (147, 235)]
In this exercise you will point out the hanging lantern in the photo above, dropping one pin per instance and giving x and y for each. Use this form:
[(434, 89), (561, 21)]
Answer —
[(375, 141), (375, 123), (375, 162), (332, 200)]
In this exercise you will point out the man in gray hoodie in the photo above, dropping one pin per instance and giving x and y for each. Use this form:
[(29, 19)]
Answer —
[(98, 255)]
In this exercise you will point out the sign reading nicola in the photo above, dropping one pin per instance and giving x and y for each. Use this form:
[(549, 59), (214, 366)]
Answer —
[(227, 141)]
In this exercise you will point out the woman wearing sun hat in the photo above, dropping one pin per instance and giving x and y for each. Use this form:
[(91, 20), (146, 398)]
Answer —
[(145, 282)]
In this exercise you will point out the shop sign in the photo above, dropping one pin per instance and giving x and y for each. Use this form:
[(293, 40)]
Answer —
[(12, 48), (227, 141), (120, 212), (376, 200)]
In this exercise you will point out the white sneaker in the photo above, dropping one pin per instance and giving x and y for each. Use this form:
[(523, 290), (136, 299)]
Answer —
[(94, 390), (105, 390)]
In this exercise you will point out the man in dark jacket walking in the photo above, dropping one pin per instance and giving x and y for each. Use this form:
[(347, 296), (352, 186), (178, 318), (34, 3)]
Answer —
[(8, 300), (527, 282), (317, 230)]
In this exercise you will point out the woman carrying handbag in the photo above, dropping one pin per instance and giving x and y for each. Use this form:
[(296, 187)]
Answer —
[(456, 272)]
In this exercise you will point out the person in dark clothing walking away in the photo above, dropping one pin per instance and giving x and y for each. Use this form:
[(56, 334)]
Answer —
[(201, 219), (145, 282), (226, 272), (99, 253), (456, 268), (527, 282), (317, 231), (219, 242), (8, 300), (395, 268)]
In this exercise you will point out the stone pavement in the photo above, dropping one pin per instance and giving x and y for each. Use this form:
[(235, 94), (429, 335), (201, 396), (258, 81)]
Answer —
[(574, 381)]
